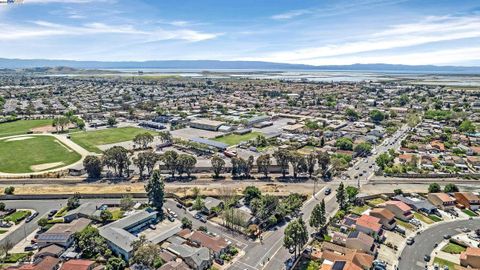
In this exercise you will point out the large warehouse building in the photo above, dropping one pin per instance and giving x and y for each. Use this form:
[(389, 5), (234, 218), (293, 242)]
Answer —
[(206, 124)]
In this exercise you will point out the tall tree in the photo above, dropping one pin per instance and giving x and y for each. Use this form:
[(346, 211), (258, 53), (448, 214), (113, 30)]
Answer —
[(311, 160), (117, 157), (250, 193), (323, 161), (93, 165), (318, 219), (282, 158), (341, 197), (217, 165), (155, 188), (263, 164), (298, 163), (169, 158), (295, 235)]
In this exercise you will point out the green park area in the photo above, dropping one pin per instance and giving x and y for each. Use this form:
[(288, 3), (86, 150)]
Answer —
[(22, 126), (91, 139), (234, 139), (34, 154)]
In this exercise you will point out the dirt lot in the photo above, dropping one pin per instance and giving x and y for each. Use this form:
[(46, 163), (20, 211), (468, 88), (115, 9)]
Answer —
[(206, 188)]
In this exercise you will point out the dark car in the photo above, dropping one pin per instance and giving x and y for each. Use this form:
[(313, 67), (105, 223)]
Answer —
[(31, 217), (328, 191), (179, 205), (447, 236), (203, 219), (219, 261), (31, 247), (52, 213), (197, 216), (427, 258)]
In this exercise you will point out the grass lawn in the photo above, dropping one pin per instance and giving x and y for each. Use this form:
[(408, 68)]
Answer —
[(234, 139), (3, 231), (435, 218), (20, 155), (442, 262), (117, 214), (376, 201), (406, 225), (469, 212), (453, 248), (422, 218), (15, 257), (359, 209), (22, 126), (90, 139), (17, 216)]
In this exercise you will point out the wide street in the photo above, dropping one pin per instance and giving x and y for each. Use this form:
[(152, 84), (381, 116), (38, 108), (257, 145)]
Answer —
[(412, 256)]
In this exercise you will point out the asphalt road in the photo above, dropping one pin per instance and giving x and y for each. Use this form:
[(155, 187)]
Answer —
[(412, 256)]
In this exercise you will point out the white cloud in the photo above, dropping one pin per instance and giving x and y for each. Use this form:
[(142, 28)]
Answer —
[(38, 29), (291, 14), (429, 30)]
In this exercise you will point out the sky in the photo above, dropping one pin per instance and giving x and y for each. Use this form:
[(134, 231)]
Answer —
[(321, 32)]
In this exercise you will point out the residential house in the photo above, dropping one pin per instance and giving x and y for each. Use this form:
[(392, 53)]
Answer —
[(441, 200), (210, 204), (175, 265), (369, 225), (417, 204), (361, 241), (62, 233), (470, 258), (400, 209), (332, 252), (50, 250), (468, 199), (196, 258), (78, 265), (387, 218), (85, 210), (217, 245)]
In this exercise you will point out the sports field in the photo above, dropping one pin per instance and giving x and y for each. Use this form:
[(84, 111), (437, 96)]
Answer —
[(90, 139), (34, 154), (22, 126), (234, 139)]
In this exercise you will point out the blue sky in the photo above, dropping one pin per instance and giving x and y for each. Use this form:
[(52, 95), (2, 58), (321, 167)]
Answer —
[(318, 32)]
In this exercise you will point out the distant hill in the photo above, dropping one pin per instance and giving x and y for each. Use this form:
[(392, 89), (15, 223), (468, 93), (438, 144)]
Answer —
[(41, 65)]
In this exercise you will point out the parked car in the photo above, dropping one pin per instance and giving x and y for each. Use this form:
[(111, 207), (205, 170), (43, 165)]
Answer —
[(52, 213), (203, 219), (31, 217), (152, 226), (31, 247), (179, 205), (427, 258), (328, 191), (219, 261)]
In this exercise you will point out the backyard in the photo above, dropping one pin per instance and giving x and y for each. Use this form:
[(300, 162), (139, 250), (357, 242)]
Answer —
[(91, 139)]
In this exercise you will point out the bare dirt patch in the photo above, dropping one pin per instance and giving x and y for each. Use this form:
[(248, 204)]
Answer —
[(18, 139), (48, 129), (45, 166)]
